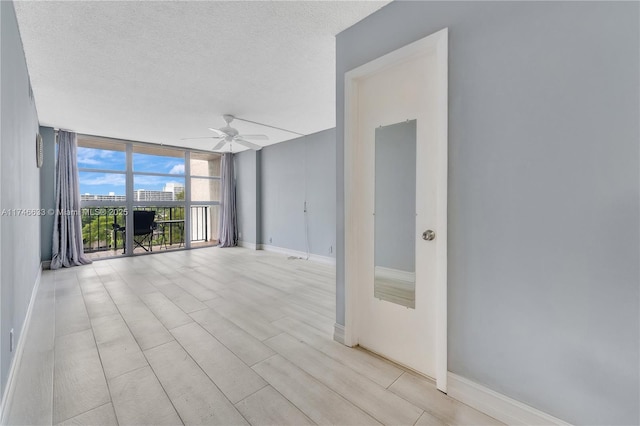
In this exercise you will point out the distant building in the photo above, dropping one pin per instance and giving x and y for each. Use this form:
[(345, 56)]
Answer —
[(170, 192), (174, 188), (109, 197), (145, 195)]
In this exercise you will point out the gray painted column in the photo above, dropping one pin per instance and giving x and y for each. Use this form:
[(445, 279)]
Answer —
[(258, 180), (47, 191), (247, 193)]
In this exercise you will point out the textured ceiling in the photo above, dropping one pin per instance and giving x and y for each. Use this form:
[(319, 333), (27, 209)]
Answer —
[(160, 71)]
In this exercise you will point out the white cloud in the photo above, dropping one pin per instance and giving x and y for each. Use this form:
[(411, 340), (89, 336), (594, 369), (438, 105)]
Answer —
[(87, 157), (148, 180), (93, 157), (178, 169), (104, 179)]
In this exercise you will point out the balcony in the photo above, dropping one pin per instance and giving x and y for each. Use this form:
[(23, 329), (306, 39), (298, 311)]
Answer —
[(101, 236)]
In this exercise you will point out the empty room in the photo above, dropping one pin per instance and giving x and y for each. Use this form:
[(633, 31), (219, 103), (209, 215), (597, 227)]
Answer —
[(320, 212)]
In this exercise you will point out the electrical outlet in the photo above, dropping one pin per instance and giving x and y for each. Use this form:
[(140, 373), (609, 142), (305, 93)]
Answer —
[(330, 249), (11, 340), (239, 234), (270, 240)]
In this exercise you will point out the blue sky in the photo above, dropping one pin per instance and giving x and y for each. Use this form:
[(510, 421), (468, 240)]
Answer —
[(104, 183)]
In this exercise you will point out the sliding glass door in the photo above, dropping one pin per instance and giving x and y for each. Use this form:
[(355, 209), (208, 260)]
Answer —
[(120, 179)]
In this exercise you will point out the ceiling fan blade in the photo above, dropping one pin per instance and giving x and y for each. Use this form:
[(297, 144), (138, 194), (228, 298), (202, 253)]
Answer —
[(256, 137), (218, 132), (219, 145), (248, 144), (206, 137)]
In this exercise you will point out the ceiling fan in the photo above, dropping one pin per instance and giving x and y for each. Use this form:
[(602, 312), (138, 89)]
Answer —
[(228, 135)]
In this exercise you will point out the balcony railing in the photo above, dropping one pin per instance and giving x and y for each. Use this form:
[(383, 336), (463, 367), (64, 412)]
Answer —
[(101, 225)]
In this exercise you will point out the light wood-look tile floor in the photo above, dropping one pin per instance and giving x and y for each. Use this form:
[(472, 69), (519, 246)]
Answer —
[(209, 336)]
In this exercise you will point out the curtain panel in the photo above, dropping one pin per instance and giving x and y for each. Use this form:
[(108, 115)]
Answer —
[(228, 220), (67, 226)]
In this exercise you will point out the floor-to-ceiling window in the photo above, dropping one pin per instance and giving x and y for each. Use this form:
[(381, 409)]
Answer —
[(118, 179), (103, 192), (159, 186), (204, 191)]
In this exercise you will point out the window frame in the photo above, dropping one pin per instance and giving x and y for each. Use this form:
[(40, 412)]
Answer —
[(130, 173)]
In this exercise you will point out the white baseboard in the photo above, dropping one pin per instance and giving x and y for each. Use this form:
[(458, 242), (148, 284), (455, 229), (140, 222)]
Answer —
[(17, 358), (338, 333), (251, 246), (288, 252), (395, 274), (496, 405)]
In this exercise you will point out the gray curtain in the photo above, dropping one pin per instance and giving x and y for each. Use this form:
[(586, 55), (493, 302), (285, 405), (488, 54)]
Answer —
[(228, 227), (67, 226)]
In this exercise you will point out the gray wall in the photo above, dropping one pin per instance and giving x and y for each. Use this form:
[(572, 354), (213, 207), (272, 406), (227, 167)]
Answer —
[(287, 174), (292, 172), (395, 197), (246, 168), (47, 191), (543, 195), (19, 187)]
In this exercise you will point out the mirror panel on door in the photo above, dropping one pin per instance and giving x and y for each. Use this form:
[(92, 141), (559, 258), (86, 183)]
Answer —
[(395, 213)]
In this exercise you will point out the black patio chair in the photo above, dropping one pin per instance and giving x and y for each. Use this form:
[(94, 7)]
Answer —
[(143, 227)]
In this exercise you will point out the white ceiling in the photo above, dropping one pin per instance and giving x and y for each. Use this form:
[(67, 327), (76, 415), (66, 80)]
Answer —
[(160, 71)]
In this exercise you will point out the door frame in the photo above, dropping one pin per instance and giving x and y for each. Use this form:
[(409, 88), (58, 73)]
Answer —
[(355, 183)]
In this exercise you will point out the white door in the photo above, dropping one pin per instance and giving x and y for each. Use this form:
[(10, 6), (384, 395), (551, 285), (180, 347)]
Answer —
[(396, 191)]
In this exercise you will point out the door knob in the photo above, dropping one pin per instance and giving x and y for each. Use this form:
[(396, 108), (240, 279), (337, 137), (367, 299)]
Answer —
[(428, 235)]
